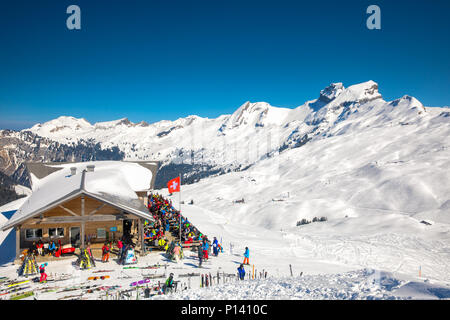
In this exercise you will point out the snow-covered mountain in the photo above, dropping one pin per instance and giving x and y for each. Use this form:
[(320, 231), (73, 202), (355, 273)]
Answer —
[(200, 147), (16, 148), (252, 132)]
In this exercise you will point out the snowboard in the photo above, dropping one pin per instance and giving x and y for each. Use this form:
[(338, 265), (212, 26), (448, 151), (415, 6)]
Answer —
[(139, 282)]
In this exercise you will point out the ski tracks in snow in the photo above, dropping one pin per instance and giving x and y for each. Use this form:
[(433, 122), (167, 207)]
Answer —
[(391, 252)]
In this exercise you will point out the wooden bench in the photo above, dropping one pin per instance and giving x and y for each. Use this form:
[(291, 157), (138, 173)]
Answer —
[(192, 244)]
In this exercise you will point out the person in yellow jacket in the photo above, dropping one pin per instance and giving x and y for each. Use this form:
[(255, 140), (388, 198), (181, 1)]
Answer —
[(161, 242)]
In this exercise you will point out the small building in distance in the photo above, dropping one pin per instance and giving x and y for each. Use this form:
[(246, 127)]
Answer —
[(75, 203)]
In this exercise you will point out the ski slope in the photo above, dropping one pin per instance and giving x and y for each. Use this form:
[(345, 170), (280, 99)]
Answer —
[(312, 278), (376, 187)]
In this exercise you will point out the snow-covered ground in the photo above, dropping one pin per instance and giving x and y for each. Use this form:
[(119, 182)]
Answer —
[(313, 277), (385, 197), (360, 284)]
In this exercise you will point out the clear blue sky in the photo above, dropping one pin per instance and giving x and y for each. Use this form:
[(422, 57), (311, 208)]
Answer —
[(152, 60)]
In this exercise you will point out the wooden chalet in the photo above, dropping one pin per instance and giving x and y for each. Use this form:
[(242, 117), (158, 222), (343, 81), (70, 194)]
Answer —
[(78, 202)]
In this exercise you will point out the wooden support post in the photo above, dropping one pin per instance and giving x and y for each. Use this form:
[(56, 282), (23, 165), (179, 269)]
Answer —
[(82, 223), (141, 236), (17, 229)]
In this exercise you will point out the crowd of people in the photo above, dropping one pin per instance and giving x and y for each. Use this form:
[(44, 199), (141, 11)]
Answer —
[(167, 219), (40, 249)]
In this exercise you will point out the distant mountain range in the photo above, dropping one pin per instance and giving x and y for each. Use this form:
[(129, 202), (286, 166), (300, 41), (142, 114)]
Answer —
[(198, 147)]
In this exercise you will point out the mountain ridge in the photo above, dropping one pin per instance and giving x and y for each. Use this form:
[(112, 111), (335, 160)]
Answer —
[(236, 141)]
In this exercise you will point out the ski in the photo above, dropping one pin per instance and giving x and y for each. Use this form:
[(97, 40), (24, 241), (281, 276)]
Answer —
[(74, 296), (152, 276), (189, 275), (18, 283), (22, 295), (98, 278), (14, 290)]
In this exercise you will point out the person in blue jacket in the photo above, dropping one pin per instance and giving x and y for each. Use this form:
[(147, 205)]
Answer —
[(246, 256), (52, 248), (241, 271), (215, 247), (205, 247)]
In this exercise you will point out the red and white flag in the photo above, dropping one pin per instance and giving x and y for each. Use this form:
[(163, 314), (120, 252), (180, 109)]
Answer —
[(174, 185)]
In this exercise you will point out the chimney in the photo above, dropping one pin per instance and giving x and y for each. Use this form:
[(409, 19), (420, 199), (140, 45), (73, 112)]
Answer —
[(90, 168), (73, 171)]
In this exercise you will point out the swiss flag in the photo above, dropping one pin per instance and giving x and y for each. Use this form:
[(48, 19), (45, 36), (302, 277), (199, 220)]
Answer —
[(174, 185)]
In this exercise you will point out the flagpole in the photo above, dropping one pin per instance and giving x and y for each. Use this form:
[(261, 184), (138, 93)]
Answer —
[(180, 208)]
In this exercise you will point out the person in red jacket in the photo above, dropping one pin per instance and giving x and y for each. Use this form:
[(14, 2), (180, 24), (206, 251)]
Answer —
[(105, 251), (42, 272), (40, 248), (120, 248)]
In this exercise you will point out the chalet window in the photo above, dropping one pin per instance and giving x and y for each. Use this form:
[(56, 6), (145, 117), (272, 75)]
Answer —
[(56, 232), (33, 234), (101, 233)]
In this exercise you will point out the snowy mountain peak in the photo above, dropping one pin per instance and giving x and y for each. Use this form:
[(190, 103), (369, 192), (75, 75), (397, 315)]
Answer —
[(331, 92), (360, 93), (114, 123), (410, 103), (256, 114), (61, 123)]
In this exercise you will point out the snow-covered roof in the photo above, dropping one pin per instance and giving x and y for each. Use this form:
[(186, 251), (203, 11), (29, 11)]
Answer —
[(111, 182), (13, 205), (139, 175)]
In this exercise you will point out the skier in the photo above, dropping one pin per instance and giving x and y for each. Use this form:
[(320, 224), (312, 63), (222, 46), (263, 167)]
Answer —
[(205, 248), (120, 248), (168, 286), (105, 251), (176, 252), (200, 256), (42, 272), (147, 292), (246, 256), (241, 271), (215, 247)]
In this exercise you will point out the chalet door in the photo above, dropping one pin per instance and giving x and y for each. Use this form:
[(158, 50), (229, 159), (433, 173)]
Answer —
[(127, 227), (75, 236)]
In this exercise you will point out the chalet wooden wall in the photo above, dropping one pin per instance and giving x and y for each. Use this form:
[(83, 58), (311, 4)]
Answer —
[(90, 226)]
